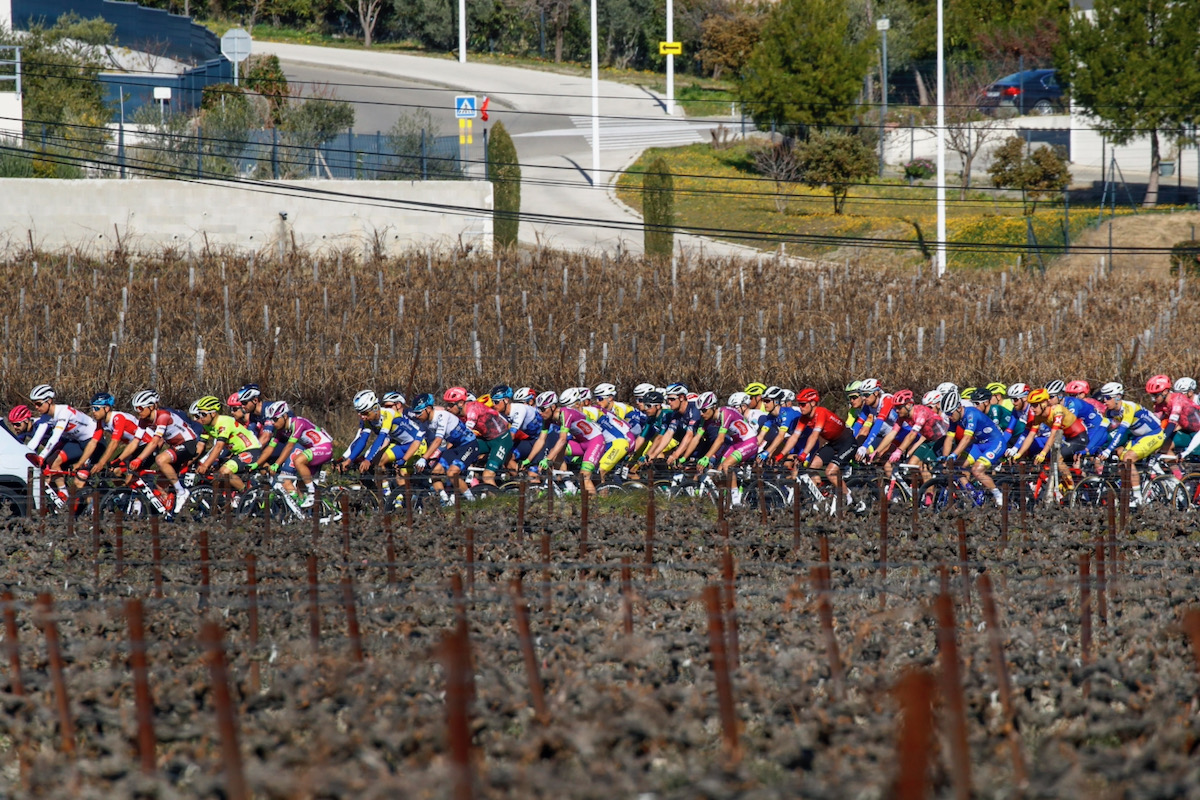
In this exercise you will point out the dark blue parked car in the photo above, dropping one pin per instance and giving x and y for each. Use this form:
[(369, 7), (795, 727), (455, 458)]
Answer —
[(1034, 91)]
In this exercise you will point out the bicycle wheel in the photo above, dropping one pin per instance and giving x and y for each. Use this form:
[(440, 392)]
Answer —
[(942, 494), (201, 505), (1187, 493), (1092, 491), (1161, 490), (775, 498)]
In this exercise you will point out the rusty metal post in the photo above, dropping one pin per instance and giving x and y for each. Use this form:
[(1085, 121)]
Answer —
[(914, 742), (524, 488), (952, 691), (819, 576), (45, 608), (720, 665), (391, 562), (1003, 682), (344, 507), (1101, 602), (537, 691), (884, 500), (119, 545), (141, 685), (964, 565), (470, 558), (583, 525), (648, 569), (231, 754), (455, 652)]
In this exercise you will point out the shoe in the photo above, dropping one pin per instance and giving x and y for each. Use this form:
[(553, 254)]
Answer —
[(235, 501), (308, 500), (181, 500)]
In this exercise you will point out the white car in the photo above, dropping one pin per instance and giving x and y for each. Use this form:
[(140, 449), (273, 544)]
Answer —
[(14, 475)]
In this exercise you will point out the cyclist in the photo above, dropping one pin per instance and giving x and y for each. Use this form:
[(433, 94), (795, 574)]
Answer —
[(20, 423), (524, 424), (1186, 387), (121, 427), (652, 404), (450, 445), (225, 439), (999, 392), (167, 437), (830, 443), (1067, 395), (781, 439), (578, 436), (491, 430), (394, 401), (525, 395), (681, 425), (373, 438), (1136, 434), (1181, 415), (618, 436), (755, 391), (66, 432), (1018, 393), (923, 430), (733, 439), (1082, 390), (285, 431), (877, 416), (1060, 420), (980, 442), (252, 416)]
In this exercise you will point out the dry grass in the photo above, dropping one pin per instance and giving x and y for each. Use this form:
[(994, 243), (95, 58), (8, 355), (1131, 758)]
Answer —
[(1133, 234), (705, 330)]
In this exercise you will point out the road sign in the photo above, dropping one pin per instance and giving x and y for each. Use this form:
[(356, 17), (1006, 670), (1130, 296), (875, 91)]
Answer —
[(670, 48), (466, 106), (235, 45)]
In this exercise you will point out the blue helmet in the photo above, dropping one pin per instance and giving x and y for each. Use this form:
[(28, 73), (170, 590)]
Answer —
[(502, 392), (422, 402), (104, 399), (249, 392)]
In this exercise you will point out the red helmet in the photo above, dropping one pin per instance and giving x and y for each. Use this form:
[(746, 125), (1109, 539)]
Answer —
[(1159, 383), (1077, 387), (234, 401), (808, 396), (455, 394), (19, 414), (903, 397)]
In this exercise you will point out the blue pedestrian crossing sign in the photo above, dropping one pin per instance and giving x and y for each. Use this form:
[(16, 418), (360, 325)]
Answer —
[(466, 106)]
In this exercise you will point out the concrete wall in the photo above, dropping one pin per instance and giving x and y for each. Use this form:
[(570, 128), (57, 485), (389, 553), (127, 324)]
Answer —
[(6, 15), (151, 214), (1089, 150), (11, 114)]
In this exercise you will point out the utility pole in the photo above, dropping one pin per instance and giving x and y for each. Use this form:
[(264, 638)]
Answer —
[(882, 25)]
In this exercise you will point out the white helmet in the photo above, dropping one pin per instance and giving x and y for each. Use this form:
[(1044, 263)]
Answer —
[(869, 386), (788, 395), (585, 394), (739, 399), (642, 389), (546, 400), (1185, 385), (570, 397), (365, 401), (1018, 391), (524, 395), (947, 387), (774, 394), (932, 398), (41, 393), (706, 401), (1112, 389), (604, 390), (144, 399), (951, 403)]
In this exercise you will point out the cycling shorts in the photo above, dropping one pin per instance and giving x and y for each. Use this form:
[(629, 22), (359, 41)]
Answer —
[(926, 452), (181, 454), (741, 451), (613, 455), (1181, 439), (462, 456), (593, 451), (316, 455), (985, 453), (496, 450), (242, 461), (71, 451), (1147, 444), (840, 451), (1073, 447)]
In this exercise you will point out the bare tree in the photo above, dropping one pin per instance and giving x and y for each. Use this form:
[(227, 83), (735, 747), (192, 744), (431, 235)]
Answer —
[(777, 161), (368, 12), (968, 129)]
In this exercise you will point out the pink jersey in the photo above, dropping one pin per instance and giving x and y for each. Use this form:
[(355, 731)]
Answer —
[(734, 426), (580, 428), (1177, 409), (928, 423), (484, 421), (302, 432)]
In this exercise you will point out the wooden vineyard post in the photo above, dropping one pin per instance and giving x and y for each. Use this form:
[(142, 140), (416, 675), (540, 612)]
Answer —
[(218, 670), (45, 609), (1191, 625), (316, 521), (11, 643), (1126, 476), (252, 614), (141, 685), (71, 509), (118, 544), (1003, 683), (1024, 497), (762, 498), (720, 665), (796, 516), (314, 608), (729, 595), (952, 691), (820, 579), (536, 690), (95, 538), (914, 742), (356, 647), (455, 654)]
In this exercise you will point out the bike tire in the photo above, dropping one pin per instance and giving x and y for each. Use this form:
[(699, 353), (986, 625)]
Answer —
[(1187, 493), (1092, 492)]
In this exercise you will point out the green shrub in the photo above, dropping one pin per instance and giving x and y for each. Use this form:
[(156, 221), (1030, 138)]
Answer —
[(658, 209), (505, 173), (1185, 258), (16, 162)]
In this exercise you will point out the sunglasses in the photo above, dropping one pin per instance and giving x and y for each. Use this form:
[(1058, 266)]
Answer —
[(853, 396), (99, 408)]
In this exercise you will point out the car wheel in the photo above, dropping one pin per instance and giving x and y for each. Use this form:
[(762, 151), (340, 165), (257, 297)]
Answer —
[(10, 504), (1043, 107)]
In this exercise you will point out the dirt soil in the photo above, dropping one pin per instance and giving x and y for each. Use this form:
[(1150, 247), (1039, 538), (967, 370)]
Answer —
[(1137, 232), (630, 716)]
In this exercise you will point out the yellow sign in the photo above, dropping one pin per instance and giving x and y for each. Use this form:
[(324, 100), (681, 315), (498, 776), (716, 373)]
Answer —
[(464, 131), (670, 48)]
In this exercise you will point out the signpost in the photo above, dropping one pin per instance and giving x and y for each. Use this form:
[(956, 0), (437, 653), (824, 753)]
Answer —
[(235, 45), (466, 109), (163, 95)]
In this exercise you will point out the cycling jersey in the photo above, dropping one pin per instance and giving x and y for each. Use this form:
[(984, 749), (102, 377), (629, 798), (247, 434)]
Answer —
[(1000, 414), (787, 420), (484, 421), (524, 421), (63, 424), (731, 423), (1178, 411), (1133, 420), (123, 427), (449, 428), (928, 423), (1059, 418), (884, 414), (170, 427), (299, 431), (226, 429), (614, 428), (680, 423), (372, 435), (987, 440)]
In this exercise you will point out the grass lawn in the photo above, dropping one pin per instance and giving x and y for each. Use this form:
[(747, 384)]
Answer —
[(719, 190)]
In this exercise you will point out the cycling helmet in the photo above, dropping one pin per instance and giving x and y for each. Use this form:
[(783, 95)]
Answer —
[(365, 401), (603, 391), (968, 394), (1083, 387), (869, 386), (951, 403), (996, 387), (455, 394), (205, 405), (811, 396), (1159, 383), (147, 398), (585, 394), (392, 397), (234, 401), (706, 401), (755, 389), (103, 400), (249, 392), (486, 399), (41, 393), (524, 395), (788, 395), (676, 390), (1112, 389), (471, 398), (1056, 388), (1018, 391), (422, 402), (854, 387), (774, 394), (278, 409), (980, 396), (642, 389), (1038, 396), (932, 398), (19, 414), (738, 399), (1184, 385), (571, 396), (546, 400), (501, 392), (903, 397), (947, 387), (655, 398)]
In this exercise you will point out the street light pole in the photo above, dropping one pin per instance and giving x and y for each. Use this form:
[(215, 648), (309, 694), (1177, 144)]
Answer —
[(940, 266), (596, 184), (670, 60), (882, 25), (462, 31)]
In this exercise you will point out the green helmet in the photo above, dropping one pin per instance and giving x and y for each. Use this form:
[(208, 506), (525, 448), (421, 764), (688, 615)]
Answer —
[(853, 386), (205, 405)]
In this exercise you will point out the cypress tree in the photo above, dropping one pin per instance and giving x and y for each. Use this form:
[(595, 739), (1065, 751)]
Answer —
[(505, 173), (658, 209)]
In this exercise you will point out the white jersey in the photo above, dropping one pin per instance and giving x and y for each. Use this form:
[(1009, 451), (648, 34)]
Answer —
[(754, 416), (63, 424), (525, 420)]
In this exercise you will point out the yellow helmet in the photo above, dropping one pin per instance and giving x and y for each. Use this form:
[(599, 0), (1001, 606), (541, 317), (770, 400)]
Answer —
[(996, 387), (755, 389), (204, 405), (967, 392), (486, 399), (1038, 396)]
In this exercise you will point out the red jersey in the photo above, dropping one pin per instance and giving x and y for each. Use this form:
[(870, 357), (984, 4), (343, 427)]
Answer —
[(123, 427), (484, 421), (826, 423)]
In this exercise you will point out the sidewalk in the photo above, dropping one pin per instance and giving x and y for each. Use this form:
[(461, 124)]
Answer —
[(556, 186)]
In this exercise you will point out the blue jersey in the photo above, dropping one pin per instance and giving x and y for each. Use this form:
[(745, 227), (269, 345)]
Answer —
[(1087, 413), (683, 422), (787, 421), (982, 428)]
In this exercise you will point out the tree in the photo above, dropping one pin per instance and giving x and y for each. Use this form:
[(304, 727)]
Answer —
[(367, 12), (728, 38), (777, 161), (658, 209), (1133, 68), (836, 161), (968, 129), (806, 69), (1037, 174), (317, 119), (265, 77), (411, 138), (505, 173)]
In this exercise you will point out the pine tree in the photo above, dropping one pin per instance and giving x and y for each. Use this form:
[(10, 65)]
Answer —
[(658, 209), (505, 173)]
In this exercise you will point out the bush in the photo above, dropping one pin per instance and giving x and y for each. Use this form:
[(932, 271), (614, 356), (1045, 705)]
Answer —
[(658, 209), (919, 169), (836, 161), (505, 172), (1185, 258)]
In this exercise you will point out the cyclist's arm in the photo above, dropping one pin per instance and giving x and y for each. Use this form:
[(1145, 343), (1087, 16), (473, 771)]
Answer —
[(218, 446), (717, 443), (88, 449), (55, 435)]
